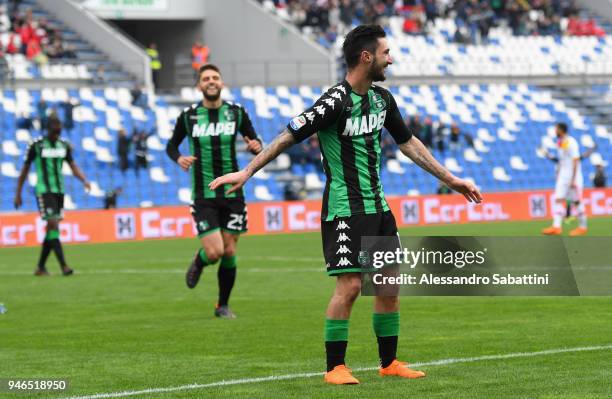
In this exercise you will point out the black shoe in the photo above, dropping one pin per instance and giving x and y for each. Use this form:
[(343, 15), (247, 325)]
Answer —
[(66, 271), (194, 272), (41, 272), (224, 312)]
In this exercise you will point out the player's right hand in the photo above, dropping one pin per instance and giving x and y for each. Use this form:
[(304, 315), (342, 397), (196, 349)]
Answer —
[(236, 179), (18, 202), (185, 162)]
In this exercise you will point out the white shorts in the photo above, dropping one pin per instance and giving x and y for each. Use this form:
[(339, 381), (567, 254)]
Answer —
[(563, 190)]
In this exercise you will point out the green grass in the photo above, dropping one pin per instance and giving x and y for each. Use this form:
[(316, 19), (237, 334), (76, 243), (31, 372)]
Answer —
[(126, 321)]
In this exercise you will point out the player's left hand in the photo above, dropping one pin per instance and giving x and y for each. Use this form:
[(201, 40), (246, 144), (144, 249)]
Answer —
[(236, 179), (253, 146), (87, 186), (469, 190)]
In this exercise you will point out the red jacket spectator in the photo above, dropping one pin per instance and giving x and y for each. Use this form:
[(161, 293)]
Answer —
[(33, 49), (13, 45)]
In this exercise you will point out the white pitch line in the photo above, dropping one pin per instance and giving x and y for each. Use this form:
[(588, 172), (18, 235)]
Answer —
[(442, 362), (175, 271)]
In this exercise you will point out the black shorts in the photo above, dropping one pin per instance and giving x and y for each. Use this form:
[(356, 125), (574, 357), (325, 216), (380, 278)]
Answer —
[(227, 214), (342, 239), (51, 206)]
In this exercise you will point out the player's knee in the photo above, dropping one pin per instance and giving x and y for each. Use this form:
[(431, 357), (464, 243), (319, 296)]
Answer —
[(350, 290), (213, 253), (229, 250)]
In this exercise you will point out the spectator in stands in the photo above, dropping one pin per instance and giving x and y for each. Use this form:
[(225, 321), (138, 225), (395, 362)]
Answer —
[(139, 138), (599, 178), (14, 44), (415, 126), (438, 139), (387, 147), (156, 64), (455, 136), (67, 108), (138, 97), (5, 22), (294, 191), (99, 78), (24, 121), (43, 113), (443, 189), (123, 150), (426, 135), (110, 198), (199, 55), (4, 68)]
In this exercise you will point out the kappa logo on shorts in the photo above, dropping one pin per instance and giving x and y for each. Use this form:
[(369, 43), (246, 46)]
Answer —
[(343, 237), (343, 249), (203, 225), (344, 262), (342, 225)]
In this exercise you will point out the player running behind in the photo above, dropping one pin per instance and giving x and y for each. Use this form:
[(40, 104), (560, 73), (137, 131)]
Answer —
[(210, 127)]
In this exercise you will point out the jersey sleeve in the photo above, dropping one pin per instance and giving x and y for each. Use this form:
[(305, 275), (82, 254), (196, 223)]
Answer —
[(246, 126), (394, 122), (178, 135), (322, 114)]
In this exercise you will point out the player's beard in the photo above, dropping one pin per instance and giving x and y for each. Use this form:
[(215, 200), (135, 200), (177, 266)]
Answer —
[(211, 97), (377, 72)]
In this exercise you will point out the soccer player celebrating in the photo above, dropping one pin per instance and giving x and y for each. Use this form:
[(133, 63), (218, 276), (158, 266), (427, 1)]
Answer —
[(210, 127), (48, 154), (348, 120), (568, 188)]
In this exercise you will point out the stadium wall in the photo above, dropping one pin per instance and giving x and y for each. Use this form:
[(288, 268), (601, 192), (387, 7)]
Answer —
[(96, 226), (601, 7), (254, 47)]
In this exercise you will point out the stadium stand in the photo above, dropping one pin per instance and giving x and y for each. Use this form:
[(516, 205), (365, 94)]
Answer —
[(507, 125), (36, 46)]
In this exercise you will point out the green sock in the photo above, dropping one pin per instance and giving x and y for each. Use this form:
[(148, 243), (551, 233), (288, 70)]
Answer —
[(336, 340), (386, 328), (203, 258), (336, 329), (228, 262), (386, 324)]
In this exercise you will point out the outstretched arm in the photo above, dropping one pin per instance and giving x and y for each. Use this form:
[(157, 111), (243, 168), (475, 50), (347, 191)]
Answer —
[(416, 151), (238, 179)]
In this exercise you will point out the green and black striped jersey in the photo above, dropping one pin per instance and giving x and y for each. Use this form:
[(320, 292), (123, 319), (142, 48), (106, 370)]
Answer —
[(48, 157), (349, 128), (211, 133)]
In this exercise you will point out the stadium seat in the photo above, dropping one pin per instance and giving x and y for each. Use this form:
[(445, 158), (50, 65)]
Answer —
[(9, 170), (500, 174)]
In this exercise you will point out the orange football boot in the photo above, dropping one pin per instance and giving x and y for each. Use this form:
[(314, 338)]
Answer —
[(552, 231), (578, 231), (400, 369), (340, 375)]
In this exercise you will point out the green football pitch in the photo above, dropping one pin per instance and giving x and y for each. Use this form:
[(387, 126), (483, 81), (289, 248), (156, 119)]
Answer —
[(126, 326)]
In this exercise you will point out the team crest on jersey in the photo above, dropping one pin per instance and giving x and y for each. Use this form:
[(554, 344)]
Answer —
[(378, 101), (229, 115), (297, 122)]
